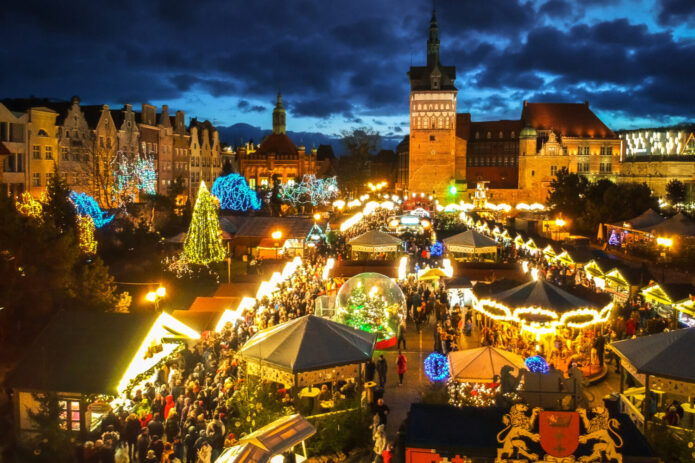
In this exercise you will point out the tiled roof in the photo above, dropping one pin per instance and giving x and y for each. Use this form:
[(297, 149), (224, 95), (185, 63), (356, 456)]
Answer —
[(510, 130), (567, 119), (277, 144)]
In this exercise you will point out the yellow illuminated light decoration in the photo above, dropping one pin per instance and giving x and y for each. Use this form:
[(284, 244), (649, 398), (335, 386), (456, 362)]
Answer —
[(448, 269), (165, 326), (85, 231), (339, 204), (351, 221), (354, 203), (504, 313), (231, 316), (203, 243), (330, 263), (666, 242), (378, 186), (402, 268), (28, 206)]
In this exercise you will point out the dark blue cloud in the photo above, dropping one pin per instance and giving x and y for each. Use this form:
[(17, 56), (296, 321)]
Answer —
[(347, 61)]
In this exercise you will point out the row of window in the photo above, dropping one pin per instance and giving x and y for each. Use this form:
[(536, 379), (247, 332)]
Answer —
[(583, 168), (433, 122), (492, 161), (432, 106)]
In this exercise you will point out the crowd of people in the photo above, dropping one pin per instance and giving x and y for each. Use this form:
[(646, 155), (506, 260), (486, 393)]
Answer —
[(183, 412)]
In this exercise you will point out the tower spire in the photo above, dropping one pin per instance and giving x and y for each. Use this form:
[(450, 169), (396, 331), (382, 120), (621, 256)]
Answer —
[(433, 42), (279, 117)]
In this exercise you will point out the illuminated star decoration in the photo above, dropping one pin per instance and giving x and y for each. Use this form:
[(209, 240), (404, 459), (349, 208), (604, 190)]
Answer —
[(234, 194), (537, 364), (437, 367), (86, 205)]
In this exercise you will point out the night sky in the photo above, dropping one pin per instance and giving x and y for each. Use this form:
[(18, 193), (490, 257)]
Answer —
[(343, 64)]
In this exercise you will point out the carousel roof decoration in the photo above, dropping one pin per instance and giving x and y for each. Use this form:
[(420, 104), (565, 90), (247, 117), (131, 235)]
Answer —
[(541, 307)]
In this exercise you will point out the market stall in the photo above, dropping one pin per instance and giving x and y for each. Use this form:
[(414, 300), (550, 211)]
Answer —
[(471, 245), (633, 232), (667, 300), (271, 440), (662, 364), (460, 291), (375, 244), (306, 351)]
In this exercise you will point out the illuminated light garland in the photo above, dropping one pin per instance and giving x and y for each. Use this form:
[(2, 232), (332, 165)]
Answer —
[(203, 243), (437, 367), (464, 394), (448, 269), (339, 204), (351, 221), (354, 203), (524, 266), (29, 207), (231, 316), (309, 191), (146, 175), (402, 268), (85, 231), (330, 263), (86, 205), (537, 364), (234, 194), (132, 175)]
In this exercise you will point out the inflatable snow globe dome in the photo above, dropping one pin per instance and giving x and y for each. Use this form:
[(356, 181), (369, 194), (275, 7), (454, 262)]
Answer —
[(372, 302)]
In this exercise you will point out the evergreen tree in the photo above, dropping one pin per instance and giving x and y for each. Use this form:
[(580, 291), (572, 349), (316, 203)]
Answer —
[(366, 311), (675, 192), (53, 441), (203, 243)]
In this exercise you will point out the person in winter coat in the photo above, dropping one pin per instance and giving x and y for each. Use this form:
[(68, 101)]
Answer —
[(171, 426), (401, 363), (189, 444), (379, 443), (168, 405), (369, 370), (130, 434), (156, 426), (387, 454), (143, 444), (381, 368)]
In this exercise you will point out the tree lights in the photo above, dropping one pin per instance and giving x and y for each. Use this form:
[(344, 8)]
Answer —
[(86, 205), (234, 194), (310, 191), (85, 231), (203, 243)]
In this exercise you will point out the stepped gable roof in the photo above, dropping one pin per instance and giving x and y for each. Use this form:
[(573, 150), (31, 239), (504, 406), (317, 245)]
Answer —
[(309, 343), (23, 105), (507, 127), (278, 144), (567, 119), (81, 351), (463, 125)]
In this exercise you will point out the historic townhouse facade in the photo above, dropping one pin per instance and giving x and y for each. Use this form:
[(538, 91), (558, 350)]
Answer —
[(87, 143)]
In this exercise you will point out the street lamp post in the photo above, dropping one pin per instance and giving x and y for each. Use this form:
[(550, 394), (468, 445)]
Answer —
[(156, 296)]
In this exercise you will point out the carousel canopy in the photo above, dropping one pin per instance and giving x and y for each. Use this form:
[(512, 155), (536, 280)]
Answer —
[(540, 293), (679, 225), (309, 343), (470, 241), (272, 439), (645, 221), (482, 364), (375, 241), (668, 355)]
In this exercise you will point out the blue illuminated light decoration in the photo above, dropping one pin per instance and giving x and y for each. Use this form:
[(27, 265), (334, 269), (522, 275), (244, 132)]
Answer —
[(315, 234), (437, 249), (234, 193), (310, 190), (86, 205), (537, 364), (437, 367)]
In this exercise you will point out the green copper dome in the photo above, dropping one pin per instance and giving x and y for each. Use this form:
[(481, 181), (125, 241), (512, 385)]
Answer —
[(528, 132)]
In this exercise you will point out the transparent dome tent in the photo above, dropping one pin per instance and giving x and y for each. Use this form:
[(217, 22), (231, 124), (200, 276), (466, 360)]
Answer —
[(372, 302)]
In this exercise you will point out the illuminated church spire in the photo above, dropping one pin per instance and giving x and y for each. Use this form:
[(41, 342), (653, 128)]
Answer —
[(279, 117), (433, 42)]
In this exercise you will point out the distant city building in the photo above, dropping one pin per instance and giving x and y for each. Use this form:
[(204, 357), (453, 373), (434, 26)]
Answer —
[(84, 143), (276, 155), (658, 142), (518, 158)]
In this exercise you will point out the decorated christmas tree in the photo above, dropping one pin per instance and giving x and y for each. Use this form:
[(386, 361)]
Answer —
[(203, 243), (366, 311)]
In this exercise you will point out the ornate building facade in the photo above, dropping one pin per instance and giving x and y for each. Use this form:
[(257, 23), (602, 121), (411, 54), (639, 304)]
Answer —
[(276, 155)]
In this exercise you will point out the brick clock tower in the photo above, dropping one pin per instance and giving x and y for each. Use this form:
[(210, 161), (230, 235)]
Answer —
[(432, 160)]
